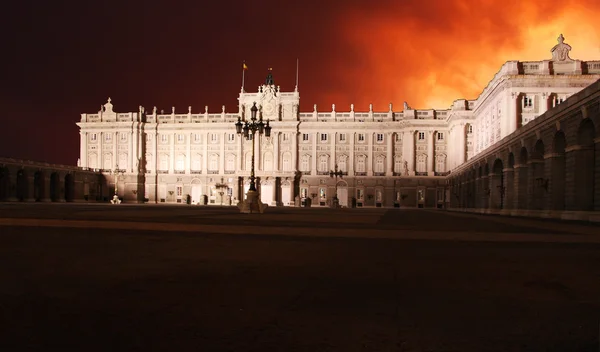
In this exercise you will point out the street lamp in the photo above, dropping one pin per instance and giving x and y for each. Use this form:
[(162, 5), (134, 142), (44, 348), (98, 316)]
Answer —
[(250, 130), (337, 173), (221, 187), (116, 172)]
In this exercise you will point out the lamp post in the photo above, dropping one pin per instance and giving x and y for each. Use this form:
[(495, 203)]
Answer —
[(221, 187), (250, 130), (337, 173), (116, 172)]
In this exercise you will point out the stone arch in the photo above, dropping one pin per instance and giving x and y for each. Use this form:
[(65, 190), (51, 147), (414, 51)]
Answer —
[(558, 168), (497, 189), (69, 187), (22, 185), (511, 160), (39, 186), (4, 183), (54, 187), (584, 166)]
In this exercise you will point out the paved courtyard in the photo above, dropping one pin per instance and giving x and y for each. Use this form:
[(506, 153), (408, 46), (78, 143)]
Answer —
[(188, 278)]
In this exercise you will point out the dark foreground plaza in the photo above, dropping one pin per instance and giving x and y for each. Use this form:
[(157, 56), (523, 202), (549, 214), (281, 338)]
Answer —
[(177, 278)]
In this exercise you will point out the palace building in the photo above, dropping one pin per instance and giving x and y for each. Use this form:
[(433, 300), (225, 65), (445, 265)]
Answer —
[(387, 158)]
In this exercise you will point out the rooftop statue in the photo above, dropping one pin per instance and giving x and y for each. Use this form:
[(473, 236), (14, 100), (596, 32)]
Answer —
[(560, 52), (269, 80)]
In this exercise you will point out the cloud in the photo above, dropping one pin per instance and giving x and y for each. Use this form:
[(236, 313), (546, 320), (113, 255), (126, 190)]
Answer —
[(430, 53)]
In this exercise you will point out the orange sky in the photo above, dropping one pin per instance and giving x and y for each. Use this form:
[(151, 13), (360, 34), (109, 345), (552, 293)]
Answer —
[(430, 53)]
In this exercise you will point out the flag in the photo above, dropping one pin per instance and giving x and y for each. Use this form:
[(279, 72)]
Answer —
[(244, 66)]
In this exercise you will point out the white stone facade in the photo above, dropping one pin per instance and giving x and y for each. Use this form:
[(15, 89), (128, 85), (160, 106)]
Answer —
[(386, 156)]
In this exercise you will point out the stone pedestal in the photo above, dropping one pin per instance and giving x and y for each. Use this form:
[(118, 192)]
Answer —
[(252, 203), (115, 200)]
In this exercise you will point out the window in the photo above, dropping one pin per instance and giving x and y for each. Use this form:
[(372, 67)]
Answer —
[(179, 191), (323, 137), (287, 161), (197, 162), (421, 136), (305, 137), (323, 163), (123, 137), (285, 137), (108, 137), (397, 164), (164, 138), (342, 137), (379, 164), (440, 163), (180, 163), (231, 137), (305, 163), (421, 163), (267, 161), (360, 194), (440, 136), (343, 163), (230, 163), (179, 137), (322, 193), (398, 137), (379, 137), (148, 137), (93, 137), (527, 102), (214, 137), (164, 162), (470, 129), (214, 162), (361, 137), (197, 137), (360, 163)]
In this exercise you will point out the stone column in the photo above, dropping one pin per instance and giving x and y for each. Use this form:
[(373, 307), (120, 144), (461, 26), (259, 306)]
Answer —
[(461, 151), (295, 151), (115, 159), (172, 152), (100, 142), (314, 155), (509, 181), (430, 153), (520, 187), (132, 153), (276, 141), (389, 155), (222, 139), (485, 192), (205, 157), (370, 153), (351, 156), (188, 154), (408, 146), (332, 161), (240, 157), (83, 149)]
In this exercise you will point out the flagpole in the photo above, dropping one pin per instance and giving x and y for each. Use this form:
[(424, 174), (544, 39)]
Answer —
[(243, 74), (297, 64)]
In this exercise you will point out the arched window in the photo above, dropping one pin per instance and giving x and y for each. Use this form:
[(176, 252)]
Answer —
[(360, 163), (421, 163), (440, 163), (323, 163), (268, 161), (398, 164), (197, 162), (343, 163), (107, 162), (380, 164), (92, 161), (230, 162), (164, 162), (305, 163), (214, 162), (287, 161), (180, 162)]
